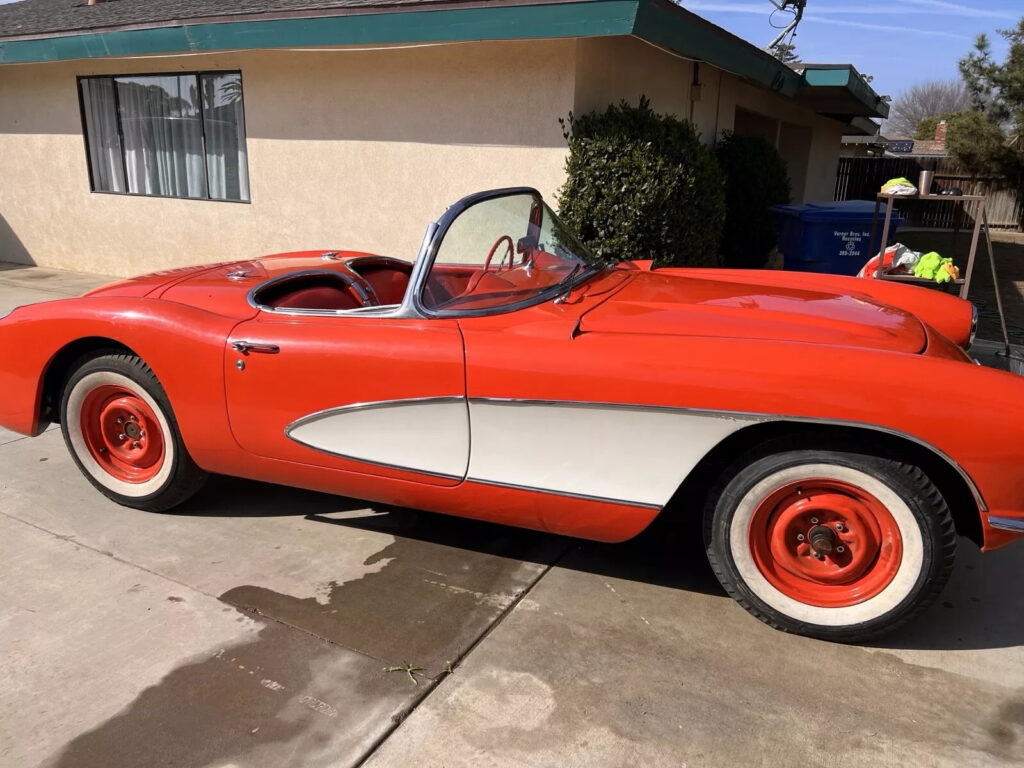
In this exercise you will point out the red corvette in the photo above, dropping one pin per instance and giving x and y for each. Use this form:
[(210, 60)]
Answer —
[(508, 374)]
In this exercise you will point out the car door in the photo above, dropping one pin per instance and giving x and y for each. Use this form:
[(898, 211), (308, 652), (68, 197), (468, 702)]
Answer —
[(368, 394)]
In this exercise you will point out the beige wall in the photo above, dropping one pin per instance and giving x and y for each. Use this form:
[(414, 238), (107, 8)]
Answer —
[(351, 149), (612, 69), (346, 150), (815, 173), (609, 70)]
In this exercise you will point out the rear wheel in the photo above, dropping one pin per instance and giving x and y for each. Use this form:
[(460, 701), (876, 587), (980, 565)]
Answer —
[(120, 430), (841, 545)]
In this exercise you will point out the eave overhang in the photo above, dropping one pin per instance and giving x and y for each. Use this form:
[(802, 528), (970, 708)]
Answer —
[(839, 89), (824, 88)]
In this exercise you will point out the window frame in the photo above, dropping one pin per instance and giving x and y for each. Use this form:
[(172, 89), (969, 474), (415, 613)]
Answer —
[(120, 134)]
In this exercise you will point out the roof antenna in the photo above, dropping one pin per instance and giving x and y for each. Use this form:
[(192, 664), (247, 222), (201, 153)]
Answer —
[(796, 7)]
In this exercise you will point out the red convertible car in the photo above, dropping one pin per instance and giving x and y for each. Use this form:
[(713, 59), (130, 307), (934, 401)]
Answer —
[(832, 431)]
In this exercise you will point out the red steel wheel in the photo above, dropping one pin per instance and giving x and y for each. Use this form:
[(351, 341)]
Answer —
[(120, 429), (843, 543), (825, 542), (122, 433)]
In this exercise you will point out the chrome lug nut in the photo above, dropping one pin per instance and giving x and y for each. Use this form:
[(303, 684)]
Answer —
[(120, 420), (840, 527), (800, 537), (814, 521), (135, 444), (121, 436), (840, 550)]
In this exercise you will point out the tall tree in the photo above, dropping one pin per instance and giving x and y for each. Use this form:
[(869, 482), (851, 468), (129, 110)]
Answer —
[(980, 73), (924, 100), (993, 131)]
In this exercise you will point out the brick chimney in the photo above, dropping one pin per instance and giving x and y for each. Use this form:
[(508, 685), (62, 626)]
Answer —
[(940, 131)]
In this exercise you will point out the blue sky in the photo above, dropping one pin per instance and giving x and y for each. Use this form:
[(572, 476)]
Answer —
[(900, 42)]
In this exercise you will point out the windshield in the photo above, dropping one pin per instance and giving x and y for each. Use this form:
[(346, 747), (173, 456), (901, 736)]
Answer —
[(504, 252)]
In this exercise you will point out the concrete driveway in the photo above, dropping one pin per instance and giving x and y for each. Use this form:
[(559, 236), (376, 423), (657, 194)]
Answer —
[(263, 626)]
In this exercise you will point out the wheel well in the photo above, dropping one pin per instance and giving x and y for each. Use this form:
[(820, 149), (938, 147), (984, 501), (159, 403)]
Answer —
[(61, 367), (952, 485)]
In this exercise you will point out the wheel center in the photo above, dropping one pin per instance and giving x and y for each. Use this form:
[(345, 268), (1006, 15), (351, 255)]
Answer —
[(822, 539), (132, 430)]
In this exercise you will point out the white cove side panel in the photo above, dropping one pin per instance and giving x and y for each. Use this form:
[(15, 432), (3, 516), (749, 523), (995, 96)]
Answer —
[(429, 436), (631, 454)]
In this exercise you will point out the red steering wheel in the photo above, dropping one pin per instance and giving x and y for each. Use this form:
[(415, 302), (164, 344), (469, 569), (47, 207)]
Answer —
[(494, 248)]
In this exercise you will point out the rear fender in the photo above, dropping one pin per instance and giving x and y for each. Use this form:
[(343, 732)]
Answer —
[(183, 346)]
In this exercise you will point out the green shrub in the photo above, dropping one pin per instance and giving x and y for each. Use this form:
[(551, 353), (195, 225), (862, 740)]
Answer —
[(642, 186), (756, 178)]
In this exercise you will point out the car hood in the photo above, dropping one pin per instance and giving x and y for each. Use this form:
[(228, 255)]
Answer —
[(668, 304)]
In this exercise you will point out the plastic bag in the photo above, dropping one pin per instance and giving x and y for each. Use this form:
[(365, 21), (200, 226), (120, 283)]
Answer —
[(896, 260), (899, 188)]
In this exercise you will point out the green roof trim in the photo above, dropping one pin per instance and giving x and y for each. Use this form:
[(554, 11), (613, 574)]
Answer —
[(693, 37), (846, 76), (659, 22)]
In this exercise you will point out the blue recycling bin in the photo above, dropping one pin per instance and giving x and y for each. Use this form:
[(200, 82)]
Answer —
[(830, 237)]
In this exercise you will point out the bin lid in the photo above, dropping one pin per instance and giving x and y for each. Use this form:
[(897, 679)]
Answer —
[(832, 210)]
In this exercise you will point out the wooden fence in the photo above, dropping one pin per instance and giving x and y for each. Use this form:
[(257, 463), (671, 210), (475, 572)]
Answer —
[(860, 178)]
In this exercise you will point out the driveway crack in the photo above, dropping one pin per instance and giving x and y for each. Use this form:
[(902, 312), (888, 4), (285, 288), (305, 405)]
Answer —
[(400, 717)]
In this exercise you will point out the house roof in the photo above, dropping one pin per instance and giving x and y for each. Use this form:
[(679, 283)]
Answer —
[(41, 17), (930, 147), (55, 30)]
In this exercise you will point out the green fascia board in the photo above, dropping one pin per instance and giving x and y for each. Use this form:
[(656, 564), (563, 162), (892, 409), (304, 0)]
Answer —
[(843, 76), (657, 21), (694, 38), (586, 19)]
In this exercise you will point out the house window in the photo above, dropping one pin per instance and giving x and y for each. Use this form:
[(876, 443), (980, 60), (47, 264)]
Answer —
[(179, 135)]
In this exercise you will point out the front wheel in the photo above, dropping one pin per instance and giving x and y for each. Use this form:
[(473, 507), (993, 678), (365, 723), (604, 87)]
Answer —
[(120, 430), (839, 545)]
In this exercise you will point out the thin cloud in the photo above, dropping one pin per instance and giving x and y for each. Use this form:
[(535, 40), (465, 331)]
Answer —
[(883, 27), (957, 9)]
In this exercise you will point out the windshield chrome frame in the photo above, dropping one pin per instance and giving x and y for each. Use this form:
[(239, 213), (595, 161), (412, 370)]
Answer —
[(425, 262), (411, 305)]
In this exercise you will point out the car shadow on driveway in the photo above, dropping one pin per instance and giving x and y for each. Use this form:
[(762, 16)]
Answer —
[(979, 609), (668, 553)]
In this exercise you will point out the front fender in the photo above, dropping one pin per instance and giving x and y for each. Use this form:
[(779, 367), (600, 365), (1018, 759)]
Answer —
[(969, 414)]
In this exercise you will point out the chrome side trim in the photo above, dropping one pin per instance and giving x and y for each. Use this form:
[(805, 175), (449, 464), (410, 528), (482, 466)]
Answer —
[(369, 405), (329, 413), (1006, 524), (566, 494), (385, 465), (764, 417), (707, 412)]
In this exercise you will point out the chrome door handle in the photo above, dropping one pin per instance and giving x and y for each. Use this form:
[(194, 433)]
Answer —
[(245, 347)]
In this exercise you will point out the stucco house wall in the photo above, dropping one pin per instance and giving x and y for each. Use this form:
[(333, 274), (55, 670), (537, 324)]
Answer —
[(356, 148), (346, 149)]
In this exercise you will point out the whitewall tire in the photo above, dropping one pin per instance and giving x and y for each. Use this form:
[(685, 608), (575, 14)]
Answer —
[(119, 427), (835, 544)]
